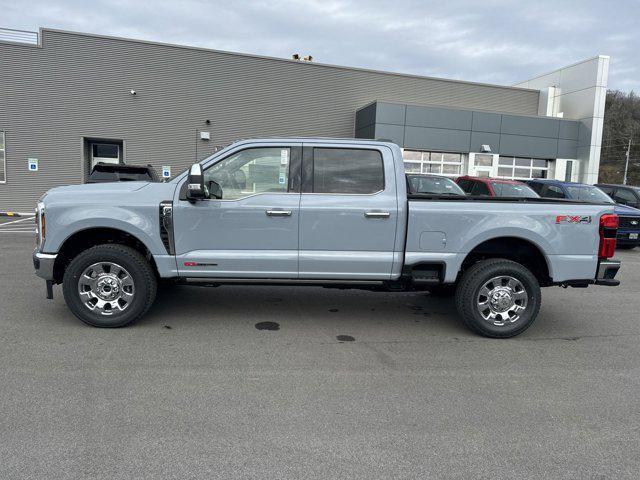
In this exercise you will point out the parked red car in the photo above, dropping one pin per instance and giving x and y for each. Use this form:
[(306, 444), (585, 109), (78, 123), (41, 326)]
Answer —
[(494, 187)]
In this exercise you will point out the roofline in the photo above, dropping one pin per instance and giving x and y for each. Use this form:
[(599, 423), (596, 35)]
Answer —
[(266, 57), (562, 68)]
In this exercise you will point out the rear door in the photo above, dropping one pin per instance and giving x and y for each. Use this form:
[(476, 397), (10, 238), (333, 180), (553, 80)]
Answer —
[(348, 212)]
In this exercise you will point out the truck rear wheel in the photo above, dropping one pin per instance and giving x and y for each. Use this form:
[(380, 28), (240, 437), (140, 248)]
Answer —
[(109, 285), (498, 298)]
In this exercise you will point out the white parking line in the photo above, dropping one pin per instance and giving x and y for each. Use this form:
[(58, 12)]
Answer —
[(15, 221)]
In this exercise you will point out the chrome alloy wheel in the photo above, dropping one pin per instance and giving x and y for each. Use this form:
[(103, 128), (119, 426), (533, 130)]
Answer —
[(106, 288), (501, 300)]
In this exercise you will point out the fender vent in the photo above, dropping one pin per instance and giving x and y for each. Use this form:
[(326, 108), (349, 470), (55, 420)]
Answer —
[(166, 226)]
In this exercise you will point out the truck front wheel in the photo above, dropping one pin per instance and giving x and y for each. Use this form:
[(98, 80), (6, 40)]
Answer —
[(498, 298), (109, 285)]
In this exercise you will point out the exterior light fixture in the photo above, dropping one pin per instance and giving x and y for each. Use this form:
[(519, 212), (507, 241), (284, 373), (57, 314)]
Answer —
[(485, 149)]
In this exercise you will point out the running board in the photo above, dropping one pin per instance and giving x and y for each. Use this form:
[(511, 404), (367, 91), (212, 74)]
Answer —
[(215, 282)]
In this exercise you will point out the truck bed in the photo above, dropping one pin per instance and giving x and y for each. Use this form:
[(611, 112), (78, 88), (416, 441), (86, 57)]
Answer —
[(447, 229)]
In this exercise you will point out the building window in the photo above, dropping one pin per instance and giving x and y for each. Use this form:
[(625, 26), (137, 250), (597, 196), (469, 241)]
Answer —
[(522, 168), (3, 157), (449, 164), (483, 160)]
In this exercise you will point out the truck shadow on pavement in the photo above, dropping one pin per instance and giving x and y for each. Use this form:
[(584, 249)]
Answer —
[(177, 306)]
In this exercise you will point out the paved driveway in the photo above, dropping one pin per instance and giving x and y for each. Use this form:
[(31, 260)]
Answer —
[(195, 390)]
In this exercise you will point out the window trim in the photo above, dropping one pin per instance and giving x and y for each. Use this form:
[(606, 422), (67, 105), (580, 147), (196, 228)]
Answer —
[(308, 164), (4, 156)]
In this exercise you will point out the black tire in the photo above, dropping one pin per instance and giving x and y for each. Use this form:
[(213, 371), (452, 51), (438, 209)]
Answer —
[(468, 291), (626, 246), (138, 268)]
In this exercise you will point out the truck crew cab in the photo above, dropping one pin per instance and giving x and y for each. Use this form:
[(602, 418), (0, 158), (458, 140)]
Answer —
[(300, 211)]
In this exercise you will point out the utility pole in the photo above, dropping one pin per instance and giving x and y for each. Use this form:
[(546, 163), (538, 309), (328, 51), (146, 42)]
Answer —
[(626, 164)]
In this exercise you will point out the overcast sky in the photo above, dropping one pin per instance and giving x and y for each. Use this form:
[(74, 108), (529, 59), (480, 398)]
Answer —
[(492, 41)]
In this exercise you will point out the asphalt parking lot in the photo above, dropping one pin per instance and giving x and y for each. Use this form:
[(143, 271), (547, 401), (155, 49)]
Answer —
[(195, 390)]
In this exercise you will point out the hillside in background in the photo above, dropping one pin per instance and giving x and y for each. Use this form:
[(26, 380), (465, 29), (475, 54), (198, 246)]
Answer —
[(621, 123)]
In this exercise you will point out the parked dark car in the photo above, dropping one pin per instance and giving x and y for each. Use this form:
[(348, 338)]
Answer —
[(629, 218), (622, 194), (111, 172), (495, 187), (432, 185)]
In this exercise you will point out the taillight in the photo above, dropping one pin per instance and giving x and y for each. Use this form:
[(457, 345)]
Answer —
[(608, 232)]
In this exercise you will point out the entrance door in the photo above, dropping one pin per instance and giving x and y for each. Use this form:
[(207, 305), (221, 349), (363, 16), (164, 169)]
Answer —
[(482, 164), (252, 230), (348, 213)]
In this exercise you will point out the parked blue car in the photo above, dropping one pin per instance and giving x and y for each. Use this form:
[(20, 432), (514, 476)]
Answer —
[(629, 228)]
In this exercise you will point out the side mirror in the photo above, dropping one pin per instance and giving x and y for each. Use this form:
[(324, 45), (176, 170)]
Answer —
[(215, 190), (196, 189)]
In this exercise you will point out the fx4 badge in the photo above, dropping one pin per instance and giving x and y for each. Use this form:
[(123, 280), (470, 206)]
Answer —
[(573, 219)]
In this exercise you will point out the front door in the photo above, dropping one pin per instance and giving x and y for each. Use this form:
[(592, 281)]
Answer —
[(348, 213), (252, 230)]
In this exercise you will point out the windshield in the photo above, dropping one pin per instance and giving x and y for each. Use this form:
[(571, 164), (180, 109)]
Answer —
[(588, 193), (513, 190), (433, 185)]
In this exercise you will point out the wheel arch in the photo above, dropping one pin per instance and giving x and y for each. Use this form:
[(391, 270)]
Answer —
[(86, 238), (523, 251)]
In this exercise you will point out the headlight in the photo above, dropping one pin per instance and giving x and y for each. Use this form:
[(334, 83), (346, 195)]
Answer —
[(41, 225)]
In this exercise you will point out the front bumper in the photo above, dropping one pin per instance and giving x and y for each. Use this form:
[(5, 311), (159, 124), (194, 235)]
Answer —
[(43, 263), (607, 270)]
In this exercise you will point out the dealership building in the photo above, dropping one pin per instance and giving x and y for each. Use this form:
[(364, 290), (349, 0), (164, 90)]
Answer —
[(72, 99)]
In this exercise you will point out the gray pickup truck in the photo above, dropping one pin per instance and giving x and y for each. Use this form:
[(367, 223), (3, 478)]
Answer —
[(324, 212)]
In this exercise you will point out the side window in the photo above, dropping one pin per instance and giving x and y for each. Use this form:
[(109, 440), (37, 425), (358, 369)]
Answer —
[(551, 191), (625, 197), (466, 185), (607, 190), (251, 171), (344, 170), (480, 189), (537, 187)]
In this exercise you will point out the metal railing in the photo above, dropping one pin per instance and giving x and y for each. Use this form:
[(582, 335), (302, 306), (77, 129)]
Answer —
[(18, 36)]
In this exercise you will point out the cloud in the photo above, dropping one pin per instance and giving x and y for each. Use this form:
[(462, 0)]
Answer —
[(495, 41)]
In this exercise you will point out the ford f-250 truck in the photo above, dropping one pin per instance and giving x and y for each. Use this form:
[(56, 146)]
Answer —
[(315, 212)]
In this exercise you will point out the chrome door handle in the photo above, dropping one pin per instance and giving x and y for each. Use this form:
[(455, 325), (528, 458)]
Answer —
[(377, 214), (279, 213)]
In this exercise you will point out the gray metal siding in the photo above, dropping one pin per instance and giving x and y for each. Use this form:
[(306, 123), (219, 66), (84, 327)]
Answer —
[(453, 130), (77, 86)]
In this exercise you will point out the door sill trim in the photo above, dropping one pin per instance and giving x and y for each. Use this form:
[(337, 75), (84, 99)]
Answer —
[(275, 281)]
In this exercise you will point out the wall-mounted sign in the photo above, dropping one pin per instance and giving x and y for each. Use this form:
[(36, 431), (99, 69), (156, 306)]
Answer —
[(166, 172), (32, 164), (205, 136)]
